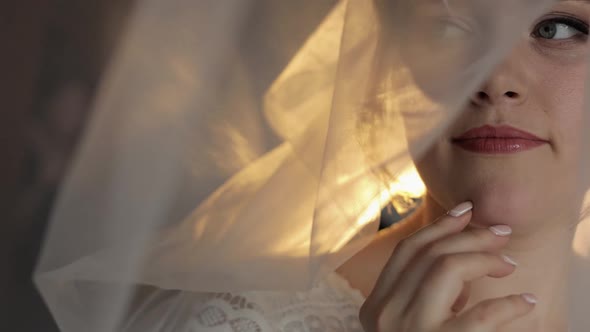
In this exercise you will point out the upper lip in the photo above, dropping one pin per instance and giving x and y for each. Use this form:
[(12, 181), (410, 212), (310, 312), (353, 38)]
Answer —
[(488, 131)]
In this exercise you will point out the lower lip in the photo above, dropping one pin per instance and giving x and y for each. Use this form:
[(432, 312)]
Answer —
[(498, 145)]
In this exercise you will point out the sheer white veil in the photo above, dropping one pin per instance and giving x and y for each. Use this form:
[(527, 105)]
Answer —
[(209, 165)]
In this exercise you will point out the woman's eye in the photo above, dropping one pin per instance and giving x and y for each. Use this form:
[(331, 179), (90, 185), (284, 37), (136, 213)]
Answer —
[(558, 30)]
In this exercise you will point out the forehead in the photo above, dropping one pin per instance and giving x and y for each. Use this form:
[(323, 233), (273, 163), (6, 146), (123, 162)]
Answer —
[(484, 5)]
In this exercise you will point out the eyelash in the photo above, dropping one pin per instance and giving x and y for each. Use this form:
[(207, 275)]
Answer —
[(577, 24)]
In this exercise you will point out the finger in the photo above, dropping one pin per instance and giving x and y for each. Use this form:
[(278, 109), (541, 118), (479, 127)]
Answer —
[(463, 298), (454, 222), (445, 280), (472, 240), (490, 315)]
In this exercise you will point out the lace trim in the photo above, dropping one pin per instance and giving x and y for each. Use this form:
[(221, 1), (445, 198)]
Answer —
[(330, 306)]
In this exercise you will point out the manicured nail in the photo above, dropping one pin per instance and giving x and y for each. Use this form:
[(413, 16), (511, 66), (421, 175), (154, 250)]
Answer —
[(530, 298), (509, 260), (501, 230), (461, 209)]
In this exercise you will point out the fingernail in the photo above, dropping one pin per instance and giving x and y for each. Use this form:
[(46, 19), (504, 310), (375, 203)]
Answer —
[(530, 298), (501, 230), (461, 209), (509, 260)]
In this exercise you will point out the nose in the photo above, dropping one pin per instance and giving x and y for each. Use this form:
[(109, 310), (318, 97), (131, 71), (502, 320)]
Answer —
[(507, 86)]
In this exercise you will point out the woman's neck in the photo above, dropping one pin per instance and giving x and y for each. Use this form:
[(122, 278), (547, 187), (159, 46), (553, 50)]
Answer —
[(543, 258)]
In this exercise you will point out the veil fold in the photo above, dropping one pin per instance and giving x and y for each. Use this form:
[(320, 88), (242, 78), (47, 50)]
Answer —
[(251, 145)]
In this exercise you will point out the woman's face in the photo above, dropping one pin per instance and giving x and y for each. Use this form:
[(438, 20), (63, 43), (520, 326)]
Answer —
[(489, 155)]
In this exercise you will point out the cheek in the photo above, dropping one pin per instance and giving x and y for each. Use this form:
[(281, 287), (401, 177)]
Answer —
[(561, 94), (447, 179), (565, 103)]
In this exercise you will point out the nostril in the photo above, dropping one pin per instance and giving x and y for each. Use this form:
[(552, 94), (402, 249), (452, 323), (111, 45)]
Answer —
[(482, 95), (511, 94)]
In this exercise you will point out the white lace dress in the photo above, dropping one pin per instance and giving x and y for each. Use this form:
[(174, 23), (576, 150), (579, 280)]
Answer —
[(332, 305)]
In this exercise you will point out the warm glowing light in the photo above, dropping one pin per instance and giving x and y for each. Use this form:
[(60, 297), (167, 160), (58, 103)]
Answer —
[(408, 184), (581, 244)]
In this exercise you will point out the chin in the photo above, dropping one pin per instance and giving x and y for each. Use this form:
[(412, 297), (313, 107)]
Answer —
[(522, 207), (508, 207), (498, 199), (509, 191)]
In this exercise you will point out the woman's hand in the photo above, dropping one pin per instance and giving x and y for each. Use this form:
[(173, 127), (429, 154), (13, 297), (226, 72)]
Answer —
[(425, 284)]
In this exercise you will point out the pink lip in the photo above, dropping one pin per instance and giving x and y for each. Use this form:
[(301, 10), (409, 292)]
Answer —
[(497, 140)]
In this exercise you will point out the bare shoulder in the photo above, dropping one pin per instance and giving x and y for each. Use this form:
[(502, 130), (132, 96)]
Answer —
[(363, 269)]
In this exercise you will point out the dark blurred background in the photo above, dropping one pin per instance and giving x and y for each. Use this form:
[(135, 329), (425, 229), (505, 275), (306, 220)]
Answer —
[(53, 52), (53, 55)]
